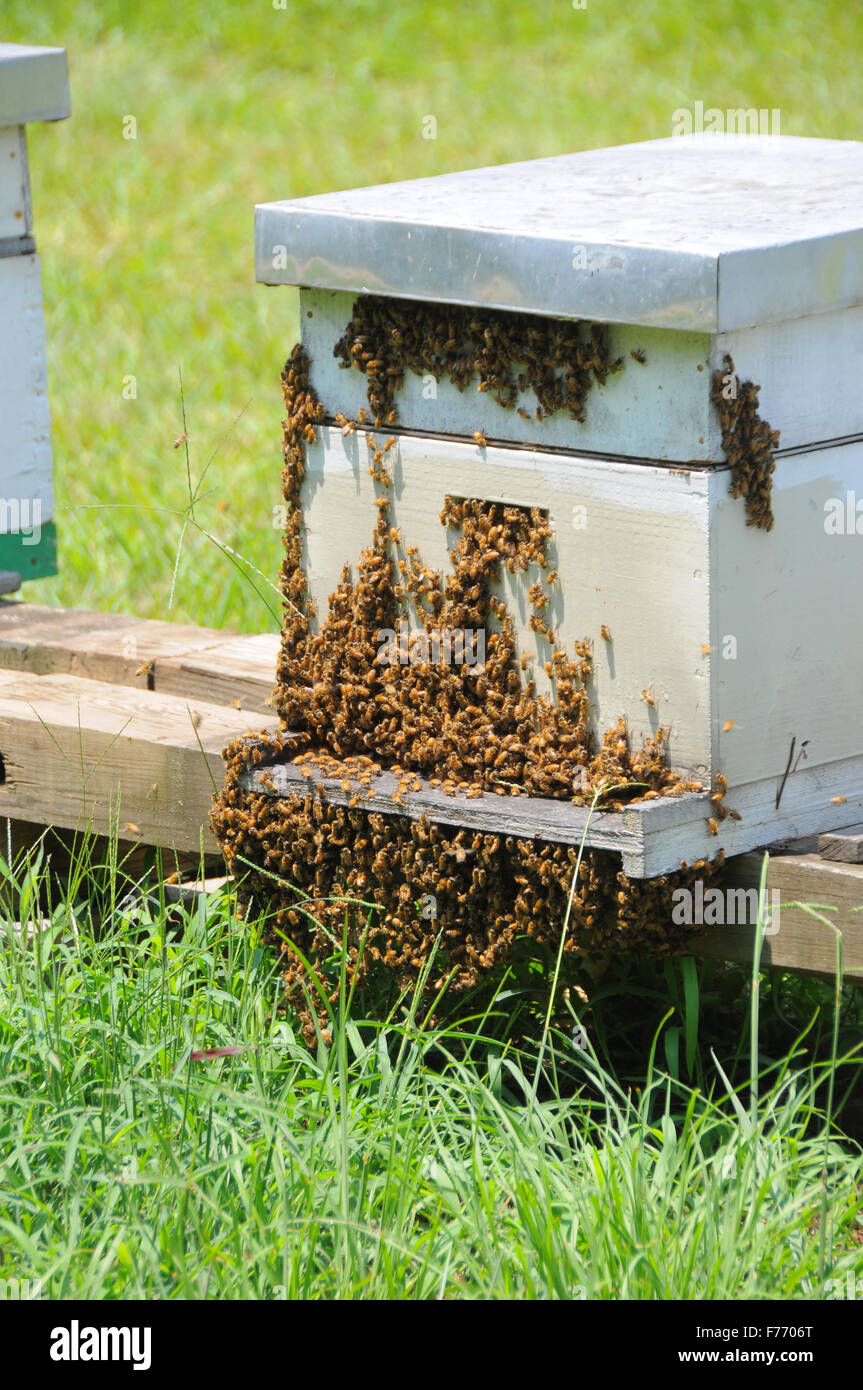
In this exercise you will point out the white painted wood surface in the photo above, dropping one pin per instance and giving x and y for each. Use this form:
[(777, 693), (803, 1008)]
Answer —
[(16, 217), (809, 371), (665, 560), (656, 410), (639, 563), (25, 443), (789, 600)]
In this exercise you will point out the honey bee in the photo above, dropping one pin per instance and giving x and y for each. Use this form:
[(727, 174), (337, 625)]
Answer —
[(838, 800), (648, 697), (712, 826), (638, 355), (728, 726), (604, 633), (480, 438)]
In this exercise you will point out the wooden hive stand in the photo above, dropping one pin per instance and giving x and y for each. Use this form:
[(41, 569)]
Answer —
[(119, 722)]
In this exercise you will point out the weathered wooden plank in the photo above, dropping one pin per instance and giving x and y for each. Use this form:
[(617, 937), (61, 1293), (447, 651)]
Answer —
[(173, 658), (814, 799), (190, 892), (845, 845), (654, 837), (78, 752), (235, 668), (802, 942), (630, 833), (98, 646)]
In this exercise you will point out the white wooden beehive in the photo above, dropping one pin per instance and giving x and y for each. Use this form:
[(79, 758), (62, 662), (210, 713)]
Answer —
[(689, 249), (34, 86)]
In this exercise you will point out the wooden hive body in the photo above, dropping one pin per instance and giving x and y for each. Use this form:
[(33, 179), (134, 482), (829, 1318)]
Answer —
[(712, 247), (34, 86)]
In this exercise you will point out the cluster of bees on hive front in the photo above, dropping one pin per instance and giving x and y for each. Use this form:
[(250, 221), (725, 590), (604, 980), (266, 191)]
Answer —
[(467, 728), (506, 354), (748, 443), (469, 903)]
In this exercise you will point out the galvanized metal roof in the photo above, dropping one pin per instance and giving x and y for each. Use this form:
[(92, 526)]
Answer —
[(710, 232), (34, 84)]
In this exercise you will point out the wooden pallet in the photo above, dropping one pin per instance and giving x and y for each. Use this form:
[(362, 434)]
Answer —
[(114, 722), (109, 721)]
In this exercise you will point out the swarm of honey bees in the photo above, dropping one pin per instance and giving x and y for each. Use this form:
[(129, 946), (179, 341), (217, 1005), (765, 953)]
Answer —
[(558, 359), (469, 725), (748, 443), (468, 903), (479, 728)]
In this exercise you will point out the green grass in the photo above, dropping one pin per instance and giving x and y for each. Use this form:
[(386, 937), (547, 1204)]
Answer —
[(396, 1162), (147, 243)]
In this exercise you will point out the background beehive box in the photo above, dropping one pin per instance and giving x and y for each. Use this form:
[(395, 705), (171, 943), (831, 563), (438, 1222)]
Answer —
[(26, 490), (16, 216), (730, 245), (34, 86)]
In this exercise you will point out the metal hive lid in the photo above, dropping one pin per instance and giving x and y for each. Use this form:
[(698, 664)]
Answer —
[(34, 84), (708, 232)]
